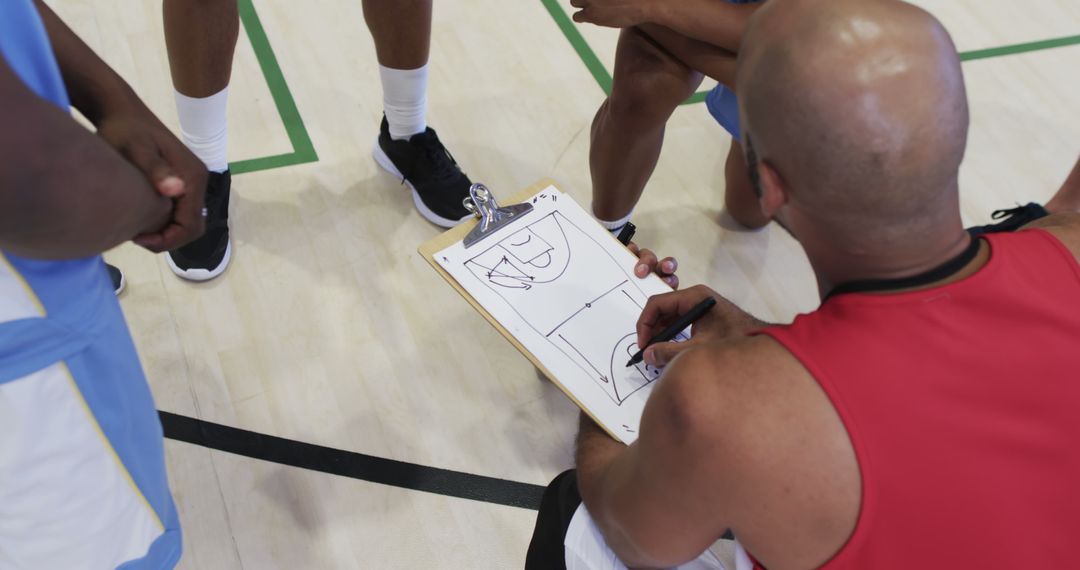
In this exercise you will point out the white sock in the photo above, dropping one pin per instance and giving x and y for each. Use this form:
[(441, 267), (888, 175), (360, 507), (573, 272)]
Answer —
[(405, 100), (616, 225), (204, 127)]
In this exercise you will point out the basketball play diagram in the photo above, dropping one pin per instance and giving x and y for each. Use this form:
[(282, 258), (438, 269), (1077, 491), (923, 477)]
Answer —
[(588, 320)]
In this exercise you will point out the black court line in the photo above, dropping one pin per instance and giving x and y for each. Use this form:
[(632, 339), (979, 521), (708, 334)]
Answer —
[(350, 464)]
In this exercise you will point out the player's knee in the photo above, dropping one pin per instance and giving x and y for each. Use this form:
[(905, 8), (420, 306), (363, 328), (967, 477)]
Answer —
[(648, 85), (643, 98)]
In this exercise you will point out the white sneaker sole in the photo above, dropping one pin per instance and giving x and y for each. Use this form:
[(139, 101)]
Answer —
[(199, 275), (388, 165)]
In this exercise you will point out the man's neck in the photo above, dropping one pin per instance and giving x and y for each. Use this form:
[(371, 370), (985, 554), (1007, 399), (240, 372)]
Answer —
[(917, 257)]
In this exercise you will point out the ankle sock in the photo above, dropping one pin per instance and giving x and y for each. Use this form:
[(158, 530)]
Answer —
[(617, 225), (405, 100), (204, 127)]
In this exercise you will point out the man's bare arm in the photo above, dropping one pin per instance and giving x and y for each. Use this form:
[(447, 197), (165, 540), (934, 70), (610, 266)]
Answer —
[(125, 123), (724, 322), (658, 502), (63, 192), (714, 22)]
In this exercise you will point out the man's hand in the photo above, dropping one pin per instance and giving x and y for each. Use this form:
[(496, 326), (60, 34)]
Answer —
[(723, 321), (169, 167), (614, 13), (124, 122), (648, 263)]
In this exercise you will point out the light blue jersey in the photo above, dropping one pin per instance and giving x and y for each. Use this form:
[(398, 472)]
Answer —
[(82, 467)]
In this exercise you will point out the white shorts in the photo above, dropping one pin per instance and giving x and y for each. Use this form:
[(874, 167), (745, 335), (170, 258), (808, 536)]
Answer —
[(586, 549)]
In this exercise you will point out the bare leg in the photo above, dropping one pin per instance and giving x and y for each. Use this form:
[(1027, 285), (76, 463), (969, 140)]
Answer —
[(655, 70), (401, 30), (739, 198), (1067, 198), (201, 38), (628, 130)]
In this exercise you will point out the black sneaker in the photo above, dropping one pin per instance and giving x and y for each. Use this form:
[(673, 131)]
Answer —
[(118, 281), (424, 165), (208, 256), (1011, 219)]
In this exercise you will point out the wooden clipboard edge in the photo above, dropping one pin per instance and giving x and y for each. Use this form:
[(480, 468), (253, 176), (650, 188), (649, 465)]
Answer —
[(428, 250)]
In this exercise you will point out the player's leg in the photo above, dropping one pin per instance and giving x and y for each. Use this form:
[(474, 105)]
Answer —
[(407, 147), (740, 199), (628, 129), (201, 39), (655, 70)]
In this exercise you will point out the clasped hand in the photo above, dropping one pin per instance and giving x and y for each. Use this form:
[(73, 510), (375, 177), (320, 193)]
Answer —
[(172, 170), (614, 13)]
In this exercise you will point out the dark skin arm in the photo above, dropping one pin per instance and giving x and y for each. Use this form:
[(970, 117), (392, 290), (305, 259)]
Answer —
[(128, 126), (714, 22), (64, 193)]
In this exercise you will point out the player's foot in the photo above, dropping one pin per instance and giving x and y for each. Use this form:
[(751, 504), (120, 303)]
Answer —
[(208, 256), (424, 165), (118, 281)]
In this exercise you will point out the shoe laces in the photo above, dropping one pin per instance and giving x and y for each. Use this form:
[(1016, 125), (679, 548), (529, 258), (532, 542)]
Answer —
[(443, 166)]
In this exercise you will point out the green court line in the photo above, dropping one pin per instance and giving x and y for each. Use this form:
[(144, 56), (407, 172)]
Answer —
[(603, 77), (1019, 48), (587, 55), (698, 97), (303, 150)]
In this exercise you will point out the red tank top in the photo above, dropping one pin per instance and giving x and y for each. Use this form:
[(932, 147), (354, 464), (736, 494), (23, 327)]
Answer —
[(962, 403)]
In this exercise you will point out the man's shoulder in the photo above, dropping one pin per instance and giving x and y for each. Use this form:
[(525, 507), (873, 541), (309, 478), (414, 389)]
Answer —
[(772, 437), (711, 386)]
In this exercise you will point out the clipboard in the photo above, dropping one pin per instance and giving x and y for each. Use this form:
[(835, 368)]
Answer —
[(487, 224)]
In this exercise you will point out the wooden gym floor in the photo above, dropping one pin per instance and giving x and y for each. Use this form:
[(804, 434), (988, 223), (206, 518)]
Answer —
[(330, 330)]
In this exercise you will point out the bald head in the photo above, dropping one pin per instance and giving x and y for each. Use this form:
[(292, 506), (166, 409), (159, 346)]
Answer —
[(859, 108)]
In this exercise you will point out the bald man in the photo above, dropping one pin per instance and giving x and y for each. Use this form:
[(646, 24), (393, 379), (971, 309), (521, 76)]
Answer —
[(924, 415)]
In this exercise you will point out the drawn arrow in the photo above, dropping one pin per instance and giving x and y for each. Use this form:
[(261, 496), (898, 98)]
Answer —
[(603, 378)]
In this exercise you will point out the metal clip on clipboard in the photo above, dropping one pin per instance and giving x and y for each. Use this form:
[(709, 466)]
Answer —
[(492, 217)]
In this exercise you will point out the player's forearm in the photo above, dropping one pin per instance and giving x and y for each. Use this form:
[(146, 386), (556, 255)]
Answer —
[(63, 192), (93, 87), (715, 22), (597, 452)]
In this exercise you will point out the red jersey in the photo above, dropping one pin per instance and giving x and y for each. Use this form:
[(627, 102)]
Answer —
[(962, 403)]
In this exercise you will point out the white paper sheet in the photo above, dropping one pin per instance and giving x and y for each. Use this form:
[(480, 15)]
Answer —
[(566, 289)]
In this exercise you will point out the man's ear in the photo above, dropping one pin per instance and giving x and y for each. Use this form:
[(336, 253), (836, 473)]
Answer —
[(774, 191)]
